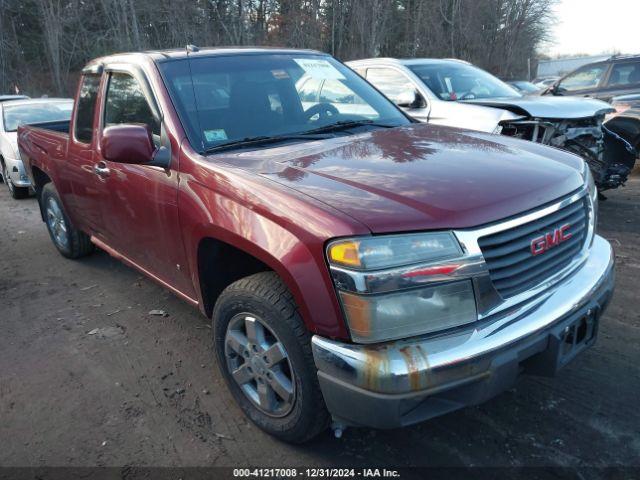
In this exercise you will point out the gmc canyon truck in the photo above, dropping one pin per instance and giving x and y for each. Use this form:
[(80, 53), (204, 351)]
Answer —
[(359, 268)]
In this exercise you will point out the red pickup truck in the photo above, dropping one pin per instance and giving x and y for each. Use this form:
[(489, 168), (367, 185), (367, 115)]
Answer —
[(359, 268)]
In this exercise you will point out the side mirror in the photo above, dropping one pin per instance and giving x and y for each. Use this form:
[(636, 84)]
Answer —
[(128, 144), (409, 99)]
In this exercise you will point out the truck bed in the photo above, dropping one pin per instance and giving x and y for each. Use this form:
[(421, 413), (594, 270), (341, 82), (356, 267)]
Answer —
[(56, 126), (42, 145)]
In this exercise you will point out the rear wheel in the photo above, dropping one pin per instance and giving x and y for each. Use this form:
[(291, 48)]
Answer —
[(16, 192), (264, 354), (70, 242)]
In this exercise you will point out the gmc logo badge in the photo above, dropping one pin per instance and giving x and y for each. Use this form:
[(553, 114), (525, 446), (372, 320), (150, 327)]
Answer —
[(549, 240)]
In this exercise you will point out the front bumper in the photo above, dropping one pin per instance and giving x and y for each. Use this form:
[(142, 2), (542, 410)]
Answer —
[(16, 170), (407, 381)]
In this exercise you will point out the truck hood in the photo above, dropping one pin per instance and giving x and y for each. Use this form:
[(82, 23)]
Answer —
[(421, 176), (547, 106)]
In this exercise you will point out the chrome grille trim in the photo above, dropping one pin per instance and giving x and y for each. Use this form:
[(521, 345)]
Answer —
[(514, 269), (488, 299)]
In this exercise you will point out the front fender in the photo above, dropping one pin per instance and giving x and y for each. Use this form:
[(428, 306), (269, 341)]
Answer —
[(279, 229)]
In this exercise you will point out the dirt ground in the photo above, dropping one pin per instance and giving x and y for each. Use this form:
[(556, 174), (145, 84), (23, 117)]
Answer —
[(144, 390)]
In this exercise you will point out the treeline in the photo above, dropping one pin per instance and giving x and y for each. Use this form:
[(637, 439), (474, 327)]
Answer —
[(44, 43)]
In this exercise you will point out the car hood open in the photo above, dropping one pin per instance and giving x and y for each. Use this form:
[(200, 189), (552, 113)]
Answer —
[(421, 176), (547, 106)]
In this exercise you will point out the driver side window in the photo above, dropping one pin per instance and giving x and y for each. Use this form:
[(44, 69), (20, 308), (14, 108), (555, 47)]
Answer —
[(390, 82), (126, 103), (588, 77)]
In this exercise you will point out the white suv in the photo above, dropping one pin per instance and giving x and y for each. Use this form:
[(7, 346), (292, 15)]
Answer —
[(457, 94)]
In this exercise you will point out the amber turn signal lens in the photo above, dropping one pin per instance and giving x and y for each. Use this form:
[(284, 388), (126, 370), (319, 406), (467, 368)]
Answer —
[(345, 253), (358, 311)]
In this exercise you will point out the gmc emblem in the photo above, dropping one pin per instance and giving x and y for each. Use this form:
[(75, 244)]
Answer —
[(551, 239)]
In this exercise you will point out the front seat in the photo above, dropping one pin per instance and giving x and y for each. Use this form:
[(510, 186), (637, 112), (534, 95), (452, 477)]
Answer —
[(250, 112), (634, 77), (615, 77)]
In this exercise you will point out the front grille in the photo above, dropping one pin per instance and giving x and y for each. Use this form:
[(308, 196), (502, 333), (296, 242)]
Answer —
[(513, 267)]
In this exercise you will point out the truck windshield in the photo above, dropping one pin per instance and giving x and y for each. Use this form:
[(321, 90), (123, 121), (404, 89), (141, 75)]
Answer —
[(228, 98), (459, 81), (36, 112)]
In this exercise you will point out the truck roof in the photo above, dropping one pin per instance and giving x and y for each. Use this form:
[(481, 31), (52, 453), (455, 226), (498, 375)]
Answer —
[(178, 53)]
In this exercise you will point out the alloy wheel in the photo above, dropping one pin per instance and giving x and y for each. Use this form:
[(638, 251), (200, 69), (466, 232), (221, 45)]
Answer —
[(56, 223), (259, 364)]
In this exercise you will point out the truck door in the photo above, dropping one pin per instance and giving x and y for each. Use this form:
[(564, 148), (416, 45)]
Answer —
[(139, 204), (78, 185)]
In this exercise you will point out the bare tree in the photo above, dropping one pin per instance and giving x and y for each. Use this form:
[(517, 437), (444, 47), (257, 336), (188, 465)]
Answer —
[(44, 43)]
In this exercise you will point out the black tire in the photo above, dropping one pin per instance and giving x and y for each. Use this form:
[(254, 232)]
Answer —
[(17, 193), (265, 296), (77, 244)]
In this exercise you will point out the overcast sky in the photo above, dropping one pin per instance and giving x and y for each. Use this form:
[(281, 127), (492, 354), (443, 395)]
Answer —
[(596, 26)]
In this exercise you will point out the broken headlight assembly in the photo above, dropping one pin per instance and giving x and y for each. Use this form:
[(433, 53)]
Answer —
[(398, 286)]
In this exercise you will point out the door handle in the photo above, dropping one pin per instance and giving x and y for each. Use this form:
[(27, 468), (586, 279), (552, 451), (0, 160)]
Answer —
[(101, 170)]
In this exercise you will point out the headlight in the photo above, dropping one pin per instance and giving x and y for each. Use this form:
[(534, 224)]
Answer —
[(420, 292), (371, 253), (375, 318)]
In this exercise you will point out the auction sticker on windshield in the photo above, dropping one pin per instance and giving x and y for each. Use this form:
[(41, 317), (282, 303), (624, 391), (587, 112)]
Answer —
[(318, 68), (215, 135)]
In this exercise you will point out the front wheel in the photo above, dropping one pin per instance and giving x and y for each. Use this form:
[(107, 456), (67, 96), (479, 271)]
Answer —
[(70, 242), (264, 354)]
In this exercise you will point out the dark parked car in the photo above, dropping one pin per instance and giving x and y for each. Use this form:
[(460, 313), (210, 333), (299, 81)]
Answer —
[(619, 75)]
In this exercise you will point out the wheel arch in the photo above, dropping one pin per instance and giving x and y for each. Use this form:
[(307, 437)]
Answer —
[(219, 264), (627, 125), (222, 257), (40, 179)]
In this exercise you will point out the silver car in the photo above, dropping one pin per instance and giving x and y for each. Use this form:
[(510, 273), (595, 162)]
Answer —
[(14, 113), (455, 93)]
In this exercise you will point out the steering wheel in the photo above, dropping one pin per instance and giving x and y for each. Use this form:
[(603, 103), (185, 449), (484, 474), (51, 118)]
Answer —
[(324, 110)]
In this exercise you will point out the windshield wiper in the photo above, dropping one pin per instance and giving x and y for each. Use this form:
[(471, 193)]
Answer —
[(345, 125), (262, 140)]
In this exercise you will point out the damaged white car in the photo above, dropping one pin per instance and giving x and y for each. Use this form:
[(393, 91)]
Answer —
[(458, 94)]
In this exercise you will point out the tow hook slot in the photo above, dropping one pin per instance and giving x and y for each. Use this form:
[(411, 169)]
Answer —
[(576, 336), (565, 343)]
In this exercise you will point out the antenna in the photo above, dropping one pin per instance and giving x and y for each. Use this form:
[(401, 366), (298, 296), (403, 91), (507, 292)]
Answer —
[(192, 49)]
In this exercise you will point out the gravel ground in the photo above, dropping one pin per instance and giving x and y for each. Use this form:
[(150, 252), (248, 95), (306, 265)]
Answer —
[(144, 390)]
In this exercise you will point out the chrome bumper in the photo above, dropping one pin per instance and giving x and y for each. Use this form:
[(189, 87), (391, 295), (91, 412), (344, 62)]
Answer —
[(420, 367), (15, 169)]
